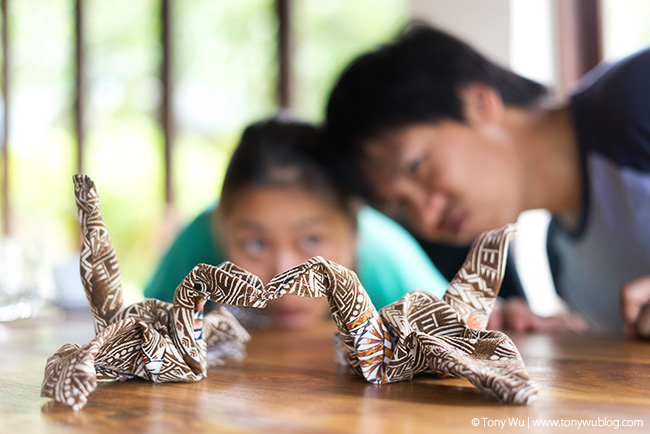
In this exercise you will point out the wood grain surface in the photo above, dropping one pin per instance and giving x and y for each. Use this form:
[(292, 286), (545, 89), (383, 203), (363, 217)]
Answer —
[(290, 382)]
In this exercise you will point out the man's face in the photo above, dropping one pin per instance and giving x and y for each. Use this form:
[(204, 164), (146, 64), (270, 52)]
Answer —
[(451, 181)]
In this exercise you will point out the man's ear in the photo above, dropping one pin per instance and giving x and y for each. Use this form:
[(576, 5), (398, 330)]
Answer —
[(482, 104)]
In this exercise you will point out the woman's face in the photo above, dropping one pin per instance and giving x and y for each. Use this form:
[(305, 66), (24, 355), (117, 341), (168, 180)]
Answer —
[(271, 229)]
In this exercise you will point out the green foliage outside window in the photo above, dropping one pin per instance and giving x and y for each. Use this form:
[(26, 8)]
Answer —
[(225, 75)]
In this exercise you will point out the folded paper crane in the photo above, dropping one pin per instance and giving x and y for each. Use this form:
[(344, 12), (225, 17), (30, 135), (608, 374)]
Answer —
[(152, 340), (163, 342), (419, 332)]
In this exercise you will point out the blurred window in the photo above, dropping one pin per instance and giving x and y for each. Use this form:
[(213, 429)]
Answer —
[(225, 75)]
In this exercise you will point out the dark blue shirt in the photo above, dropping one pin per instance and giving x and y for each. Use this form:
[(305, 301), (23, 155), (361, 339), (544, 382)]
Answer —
[(611, 244)]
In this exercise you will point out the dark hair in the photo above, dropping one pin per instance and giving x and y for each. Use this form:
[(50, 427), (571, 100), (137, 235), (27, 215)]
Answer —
[(415, 79), (282, 153)]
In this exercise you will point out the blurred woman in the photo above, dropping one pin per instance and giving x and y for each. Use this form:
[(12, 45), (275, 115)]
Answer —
[(279, 206)]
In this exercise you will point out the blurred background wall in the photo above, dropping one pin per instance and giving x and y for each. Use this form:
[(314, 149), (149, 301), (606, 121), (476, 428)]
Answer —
[(150, 96)]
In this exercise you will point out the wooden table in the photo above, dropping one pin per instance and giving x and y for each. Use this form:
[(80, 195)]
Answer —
[(290, 383)]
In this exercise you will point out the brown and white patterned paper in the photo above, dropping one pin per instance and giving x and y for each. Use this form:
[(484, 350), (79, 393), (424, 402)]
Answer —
[(419, 332), (167, 342), (153, 340)]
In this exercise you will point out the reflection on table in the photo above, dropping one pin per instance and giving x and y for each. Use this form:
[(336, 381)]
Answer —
[(290, 382)]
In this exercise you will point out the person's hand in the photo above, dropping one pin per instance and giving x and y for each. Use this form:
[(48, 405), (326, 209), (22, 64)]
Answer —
[(515, 314), (635, 303)]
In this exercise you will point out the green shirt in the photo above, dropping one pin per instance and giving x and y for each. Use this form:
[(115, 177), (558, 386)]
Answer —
[(390, 262)]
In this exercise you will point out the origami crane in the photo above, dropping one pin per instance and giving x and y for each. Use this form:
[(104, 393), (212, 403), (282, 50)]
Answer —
[(417, 333), (162, 342), (152, 340)]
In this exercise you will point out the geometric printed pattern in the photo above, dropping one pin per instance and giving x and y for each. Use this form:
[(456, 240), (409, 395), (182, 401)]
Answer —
[(373, 346), (100, 271), (168, 342), (152, 340), (420, 332), (474, 289)]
